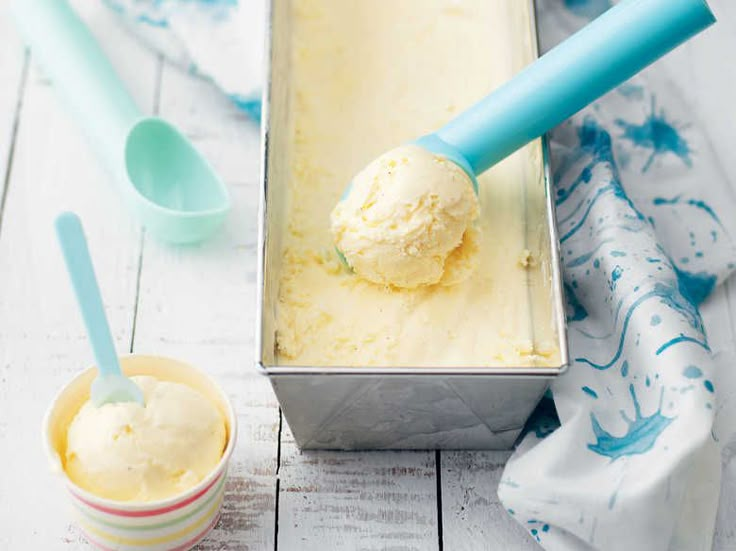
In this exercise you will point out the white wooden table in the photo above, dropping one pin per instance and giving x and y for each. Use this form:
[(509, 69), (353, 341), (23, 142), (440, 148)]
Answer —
[(197, 304)]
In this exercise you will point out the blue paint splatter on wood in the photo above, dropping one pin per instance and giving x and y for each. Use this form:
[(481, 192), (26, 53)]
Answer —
[(641, 434), (657, 134), (708, 386), (590, 392)]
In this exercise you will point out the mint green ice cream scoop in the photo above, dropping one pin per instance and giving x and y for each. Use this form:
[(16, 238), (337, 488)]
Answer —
[(164, 180)]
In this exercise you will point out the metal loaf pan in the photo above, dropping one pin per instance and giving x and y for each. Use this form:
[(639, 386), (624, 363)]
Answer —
[(351, 408)]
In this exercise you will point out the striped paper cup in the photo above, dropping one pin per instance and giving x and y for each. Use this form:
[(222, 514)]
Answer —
[(176, 523)]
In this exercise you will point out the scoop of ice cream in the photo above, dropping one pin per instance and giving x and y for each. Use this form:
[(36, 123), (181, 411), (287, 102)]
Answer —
[(406, 212), (129, 452)]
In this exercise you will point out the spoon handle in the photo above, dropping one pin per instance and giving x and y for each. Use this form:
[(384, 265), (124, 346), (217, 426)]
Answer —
[(605, 53), (79, 264), (80, 71)]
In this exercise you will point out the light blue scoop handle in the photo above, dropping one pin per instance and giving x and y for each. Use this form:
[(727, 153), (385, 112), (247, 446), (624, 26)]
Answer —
[(73, 60), (79, 264), (604, 54)]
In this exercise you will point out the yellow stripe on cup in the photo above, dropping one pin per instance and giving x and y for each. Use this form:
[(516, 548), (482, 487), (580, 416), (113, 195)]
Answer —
[(168, 538)]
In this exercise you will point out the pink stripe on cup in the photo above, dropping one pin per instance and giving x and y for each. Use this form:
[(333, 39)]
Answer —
[(183, 547), (151, 512)]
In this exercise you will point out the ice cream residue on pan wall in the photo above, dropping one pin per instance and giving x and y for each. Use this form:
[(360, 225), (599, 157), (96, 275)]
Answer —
[(367, 76)]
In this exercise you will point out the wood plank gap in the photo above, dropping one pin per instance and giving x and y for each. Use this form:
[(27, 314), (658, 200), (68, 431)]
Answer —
[(14, 133), (278, 483), (156, 105), (276, 516), (136, 299), (278, 440), (438, 479)]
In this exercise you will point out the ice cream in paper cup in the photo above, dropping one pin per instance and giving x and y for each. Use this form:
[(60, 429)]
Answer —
[(169, 502)]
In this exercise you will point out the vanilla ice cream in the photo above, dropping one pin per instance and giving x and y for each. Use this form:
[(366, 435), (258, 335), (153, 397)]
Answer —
[(129, 452), (405, 213), (365, 76)]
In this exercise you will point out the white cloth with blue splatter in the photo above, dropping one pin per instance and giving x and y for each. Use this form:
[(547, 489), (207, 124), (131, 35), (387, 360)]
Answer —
[(222, 40), (634, 464)]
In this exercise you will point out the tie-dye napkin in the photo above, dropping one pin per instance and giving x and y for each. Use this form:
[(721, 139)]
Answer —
[(633, 462), (221, 40), (623, 454)]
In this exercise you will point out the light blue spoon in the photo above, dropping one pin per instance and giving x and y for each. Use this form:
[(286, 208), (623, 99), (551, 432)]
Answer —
[(110, 385), (605, 53), (164, 181)]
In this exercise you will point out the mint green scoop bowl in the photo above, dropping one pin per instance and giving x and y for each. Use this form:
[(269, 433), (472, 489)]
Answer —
[(167, 185)]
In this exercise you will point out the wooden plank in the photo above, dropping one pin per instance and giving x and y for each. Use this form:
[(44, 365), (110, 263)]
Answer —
[(725, 534), (13, 68), (473, 517), (42, 341), (356, 501), (197, 304)]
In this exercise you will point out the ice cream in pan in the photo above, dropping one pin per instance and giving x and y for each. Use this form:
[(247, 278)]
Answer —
[(431, 283)]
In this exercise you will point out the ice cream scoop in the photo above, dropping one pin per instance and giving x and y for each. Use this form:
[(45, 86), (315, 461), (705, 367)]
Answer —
[(111, 385), (127, 452), (605, 53), (163, 179)]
